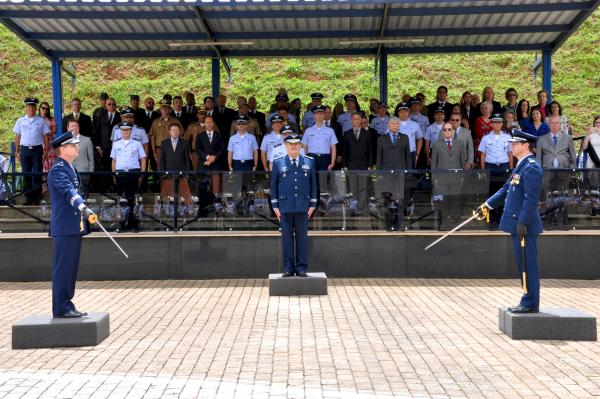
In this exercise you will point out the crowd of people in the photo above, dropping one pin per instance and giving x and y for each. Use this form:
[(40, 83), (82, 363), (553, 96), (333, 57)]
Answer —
[(182, 135)]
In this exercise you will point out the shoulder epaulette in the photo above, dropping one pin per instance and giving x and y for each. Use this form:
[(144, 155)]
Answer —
[(306, 156), (279, 157), (531, 160)]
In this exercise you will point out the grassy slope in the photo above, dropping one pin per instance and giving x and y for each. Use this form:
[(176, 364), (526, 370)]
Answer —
[(576, 77)]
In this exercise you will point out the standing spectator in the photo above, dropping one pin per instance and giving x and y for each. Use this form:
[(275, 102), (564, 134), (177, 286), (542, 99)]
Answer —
[(160, 129), (345, 119), (84, 163), (179, 113), (414, 133), (210, 149), (358, 156), (242, 150), (107, 119), (191, 135), (281, 102), (373, 134), (488, 97), (260, 117), (467, 109), (393, 148), (50, 156), (329, 121), (223, 117), (138, 113), (523, 109), (271, 140), (556, 151), (96, 114), (296, 108), (31, 141), (536, 125), (308, 119), (175, 157), (511, 98), (416, 115), (463, 138), (320, 141), (373, 108), (483, 126), (556, 110), (86, 127), (128, 158), (209, 104), (510, 122), (441, 102), (137, 133), (591, 146), (337, 110), (252, 125), (543, 105), (150, 115), (446, 154), (190, 109), (433, 132), (380, 121)]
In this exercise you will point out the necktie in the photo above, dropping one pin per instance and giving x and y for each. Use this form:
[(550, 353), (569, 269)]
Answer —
[(357, 133), (178, 114), (76, 116), (449, 145), (110, 117), (210, 138), (174, 144), (394, 138), (149, 113), (294, 163), (555, 139)]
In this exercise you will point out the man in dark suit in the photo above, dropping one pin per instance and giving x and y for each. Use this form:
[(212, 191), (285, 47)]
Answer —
[(179, 113), (441, 97), (138, 113), (86, 127), (393, 148), (259, 116), (107, 119), (210, 149), (190, 108), (175, 157), (223, 117), (358, 155)]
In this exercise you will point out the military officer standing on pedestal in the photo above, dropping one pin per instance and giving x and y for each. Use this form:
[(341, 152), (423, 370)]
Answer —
[(68, 224), (294, 199), (521, 217)]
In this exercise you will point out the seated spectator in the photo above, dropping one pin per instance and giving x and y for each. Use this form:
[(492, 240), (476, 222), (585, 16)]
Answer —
[(128, 157), (535, 125), (511, 98), (556, 110), (175, 157), (523, 110)]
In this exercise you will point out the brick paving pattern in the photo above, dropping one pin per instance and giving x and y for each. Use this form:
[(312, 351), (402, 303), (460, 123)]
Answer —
[(369, 338)]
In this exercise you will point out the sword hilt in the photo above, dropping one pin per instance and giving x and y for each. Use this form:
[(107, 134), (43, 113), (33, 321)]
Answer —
[(92, 219)]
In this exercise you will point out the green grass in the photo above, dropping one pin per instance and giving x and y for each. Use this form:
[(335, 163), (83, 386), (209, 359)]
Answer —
[(576, 77)]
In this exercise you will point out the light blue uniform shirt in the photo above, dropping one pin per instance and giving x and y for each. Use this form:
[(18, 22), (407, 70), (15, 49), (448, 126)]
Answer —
[(137, 134), (269, 141), (242, 147), (31, 130), (495, 147), (308, 119), (421, 119), (291, 118), (433, 133), (345, 120), (380, 124), (127, 154), (413, 131), (319, 139)]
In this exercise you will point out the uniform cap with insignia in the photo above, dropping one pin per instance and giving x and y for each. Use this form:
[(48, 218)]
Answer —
[(282, 97), (201, 111), (125, 125), (31, 101), (350, 96), (317, 95), (382, 105), (414, 100), (134, 97), (64, 139), (276, 118), (317, 108), (241, 119), (402, 106), (127, 111), (497, 118), (165, 103), (287, 129), (168, 97), (293, 138), (519, 136), (439, 110)]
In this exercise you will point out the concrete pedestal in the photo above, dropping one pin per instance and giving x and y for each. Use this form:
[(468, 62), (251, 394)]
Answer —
[(548, 324), (314, 284), (47, 332)]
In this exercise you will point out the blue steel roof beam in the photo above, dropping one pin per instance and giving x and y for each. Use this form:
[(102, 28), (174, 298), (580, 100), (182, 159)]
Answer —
[(583, 15), (382, 27)]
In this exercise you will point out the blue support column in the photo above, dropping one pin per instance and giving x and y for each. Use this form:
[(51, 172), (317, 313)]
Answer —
[(547, 72), (383, 78), (57, 94), (216, 77)]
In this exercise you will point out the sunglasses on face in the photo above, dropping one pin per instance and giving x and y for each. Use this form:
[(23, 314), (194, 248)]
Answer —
[(110, 104), (447, 130), (45, 108), (454, 120)]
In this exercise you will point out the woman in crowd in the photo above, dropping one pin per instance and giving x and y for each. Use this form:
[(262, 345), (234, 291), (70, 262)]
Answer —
[(296, 108), (535, 125), (48, 162), (591, 147), (511, 98), (543, 105), (522, 111), (467, 108), (510, 122), (556, 110), (483, 126)]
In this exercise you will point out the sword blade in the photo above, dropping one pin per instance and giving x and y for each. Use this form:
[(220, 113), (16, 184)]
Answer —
[(112, 239), (450, 232)]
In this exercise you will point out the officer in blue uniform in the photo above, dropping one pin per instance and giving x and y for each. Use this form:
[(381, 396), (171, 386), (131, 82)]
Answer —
[(521, 217), (294, 199), (320, 141), (309, 119), (69, 222)]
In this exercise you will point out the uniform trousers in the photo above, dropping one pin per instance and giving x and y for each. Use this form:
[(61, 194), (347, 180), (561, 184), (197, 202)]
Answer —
[(294, 241), (31, 161), (128, 185), (65, 265), (532, 298), (322, 162), (242, 166)]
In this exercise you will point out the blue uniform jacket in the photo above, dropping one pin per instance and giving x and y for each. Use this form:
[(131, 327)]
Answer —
[(521, 194), (293, 190), (63, 184)]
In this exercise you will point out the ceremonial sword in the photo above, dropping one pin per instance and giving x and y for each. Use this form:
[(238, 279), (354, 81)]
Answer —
[(483, 214), (93, 219)]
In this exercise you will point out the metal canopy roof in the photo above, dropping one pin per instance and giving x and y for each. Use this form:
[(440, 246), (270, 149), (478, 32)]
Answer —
[(151, 28)]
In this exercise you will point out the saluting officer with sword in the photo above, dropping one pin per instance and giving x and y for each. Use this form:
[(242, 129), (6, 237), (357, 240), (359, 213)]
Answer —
[(70, 220), (521, 217)]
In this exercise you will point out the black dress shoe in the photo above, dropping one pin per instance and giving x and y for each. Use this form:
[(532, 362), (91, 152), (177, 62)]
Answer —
[(71, 314), (302, 274), (286, 274), (522, 309)]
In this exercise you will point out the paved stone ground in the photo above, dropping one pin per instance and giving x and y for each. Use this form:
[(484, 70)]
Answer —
[(370, 338)]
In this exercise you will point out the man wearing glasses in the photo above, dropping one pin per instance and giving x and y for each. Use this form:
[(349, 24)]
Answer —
[(31, 132)]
